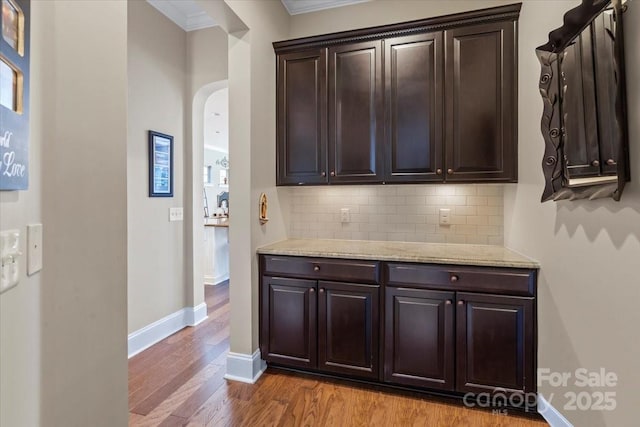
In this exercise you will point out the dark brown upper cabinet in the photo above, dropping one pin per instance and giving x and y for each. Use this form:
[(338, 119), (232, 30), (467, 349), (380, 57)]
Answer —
[(302, 117), (413, 108), (355, 112), (481, 103), (432, 100)]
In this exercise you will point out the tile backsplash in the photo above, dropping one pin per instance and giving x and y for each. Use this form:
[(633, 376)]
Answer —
[(399, 212)]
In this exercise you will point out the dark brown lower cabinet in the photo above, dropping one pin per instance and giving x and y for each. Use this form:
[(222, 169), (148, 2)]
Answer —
[(419, 338), (288, 321), (443, 328), (495, 338), (348, 326)]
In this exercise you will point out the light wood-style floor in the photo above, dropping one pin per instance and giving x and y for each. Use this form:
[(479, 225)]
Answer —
[(179, 382)]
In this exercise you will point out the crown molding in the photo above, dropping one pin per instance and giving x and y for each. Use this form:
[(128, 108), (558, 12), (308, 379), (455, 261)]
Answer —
[(297, 7), (175, 10)]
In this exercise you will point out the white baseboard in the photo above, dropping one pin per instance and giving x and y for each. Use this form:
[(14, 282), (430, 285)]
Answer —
[(215, 280), (145, 337), (245, 368), (551, 414)]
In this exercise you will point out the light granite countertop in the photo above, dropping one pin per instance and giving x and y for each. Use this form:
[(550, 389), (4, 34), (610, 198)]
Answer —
[(432, 253)]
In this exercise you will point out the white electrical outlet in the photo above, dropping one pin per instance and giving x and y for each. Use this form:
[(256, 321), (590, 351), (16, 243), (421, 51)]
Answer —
[(345, 215), (445, 216), (176, 214), (9, 257)]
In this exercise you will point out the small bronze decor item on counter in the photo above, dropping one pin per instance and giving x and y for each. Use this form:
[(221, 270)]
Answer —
[(262, 213)]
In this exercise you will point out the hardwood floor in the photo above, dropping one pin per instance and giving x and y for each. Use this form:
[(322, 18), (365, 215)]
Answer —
[(180, 382)]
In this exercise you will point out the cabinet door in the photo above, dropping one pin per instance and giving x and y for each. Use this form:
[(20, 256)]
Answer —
[(288, 327), (495, 343), (302, 119), (480, 103), (355, 113), (348, 329), (413, 108), (419, 338)]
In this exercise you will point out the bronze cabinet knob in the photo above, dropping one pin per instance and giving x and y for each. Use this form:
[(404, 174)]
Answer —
[(450, 171), (332, 173), (448, 302), (460, 302), (438, 171), (316, 268), (312, 290), (454, 278), (595, 163), (321, 290), (611, 162), (324, 173)]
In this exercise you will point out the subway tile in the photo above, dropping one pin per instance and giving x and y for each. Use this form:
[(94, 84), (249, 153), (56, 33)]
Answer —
[(478, 220), (489, 210), (426, 228), (435, 238), (436, 200), (445, 190), (465, 210), (477, 200), (415, 200), (495, 200), (456, 200), (466, 229), (496, 240), (425, 190), (490, 190), (397, 237), (496, 220), (477, 240), (456, 238), (458, 219), (406, 190), (377, 235), (465, 190), (489, 230)]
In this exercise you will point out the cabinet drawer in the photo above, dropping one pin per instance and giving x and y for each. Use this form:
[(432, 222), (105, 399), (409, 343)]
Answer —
[(322, 268), (461, 278)]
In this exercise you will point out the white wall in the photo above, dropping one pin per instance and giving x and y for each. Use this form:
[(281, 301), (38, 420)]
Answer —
[(407, 213), (252, 153), (589, 250), (157, 94), (63, 331)]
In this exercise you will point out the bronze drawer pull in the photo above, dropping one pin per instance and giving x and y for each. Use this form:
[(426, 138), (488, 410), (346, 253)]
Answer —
[(460, 302), (316, 268), (448, 302), (454, 278), (312, 290)]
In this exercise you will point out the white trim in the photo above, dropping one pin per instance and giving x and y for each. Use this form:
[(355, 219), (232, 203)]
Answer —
[(176, 11), (215, 280), (246, 368), (551, 414), (144, 338), (297, 7)]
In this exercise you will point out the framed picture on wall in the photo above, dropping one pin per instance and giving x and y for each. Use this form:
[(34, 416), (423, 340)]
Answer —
[(160, 164)]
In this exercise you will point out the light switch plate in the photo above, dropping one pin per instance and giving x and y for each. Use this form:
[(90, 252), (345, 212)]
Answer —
[(445, 216), (34, 248), (176, 214)]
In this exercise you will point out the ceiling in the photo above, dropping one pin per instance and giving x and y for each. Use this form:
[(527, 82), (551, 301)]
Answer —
[(190, 16)]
